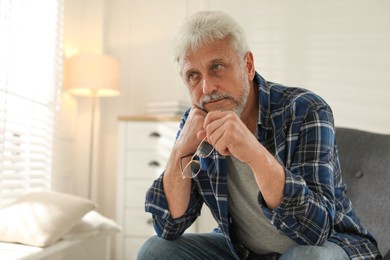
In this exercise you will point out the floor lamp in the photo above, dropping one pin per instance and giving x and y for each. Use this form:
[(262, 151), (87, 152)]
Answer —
[(92, 75)]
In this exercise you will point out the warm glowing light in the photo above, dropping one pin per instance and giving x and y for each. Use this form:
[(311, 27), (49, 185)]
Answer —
[(92, 74)]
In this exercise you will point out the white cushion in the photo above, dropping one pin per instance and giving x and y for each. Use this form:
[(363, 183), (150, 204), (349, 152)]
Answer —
[(42, 218), (93, 223)]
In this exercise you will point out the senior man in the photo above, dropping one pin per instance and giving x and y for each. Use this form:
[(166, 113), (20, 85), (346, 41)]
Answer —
[(261, 156)]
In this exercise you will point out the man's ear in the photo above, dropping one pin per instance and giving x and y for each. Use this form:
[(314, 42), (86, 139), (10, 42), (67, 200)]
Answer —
[(249, 65)]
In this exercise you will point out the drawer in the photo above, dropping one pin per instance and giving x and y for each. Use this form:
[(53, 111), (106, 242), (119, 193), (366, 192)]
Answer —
[(135, 192), (145, 164), (138, 223), (151, 135)]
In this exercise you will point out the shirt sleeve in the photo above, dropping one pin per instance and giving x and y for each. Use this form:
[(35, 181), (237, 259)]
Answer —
[(163, 223), (307, 210)]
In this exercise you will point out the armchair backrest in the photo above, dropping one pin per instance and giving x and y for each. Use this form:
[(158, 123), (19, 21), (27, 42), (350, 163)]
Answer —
[(365, 165)]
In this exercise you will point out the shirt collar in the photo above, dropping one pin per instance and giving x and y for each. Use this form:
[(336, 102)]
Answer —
[(264, 101)]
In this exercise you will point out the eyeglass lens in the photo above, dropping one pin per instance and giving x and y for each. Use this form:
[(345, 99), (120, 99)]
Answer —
[(193, 167), (204, 150)]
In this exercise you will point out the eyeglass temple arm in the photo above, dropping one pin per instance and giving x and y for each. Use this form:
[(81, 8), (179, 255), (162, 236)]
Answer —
[(181, 159)]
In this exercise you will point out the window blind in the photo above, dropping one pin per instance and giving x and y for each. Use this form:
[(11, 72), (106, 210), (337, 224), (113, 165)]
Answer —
[(30, 81)]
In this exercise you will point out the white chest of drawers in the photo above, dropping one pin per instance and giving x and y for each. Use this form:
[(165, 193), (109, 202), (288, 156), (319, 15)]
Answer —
[(145, 145)]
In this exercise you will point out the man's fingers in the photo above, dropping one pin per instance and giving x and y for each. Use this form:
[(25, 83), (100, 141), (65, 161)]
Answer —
[(201, 134)]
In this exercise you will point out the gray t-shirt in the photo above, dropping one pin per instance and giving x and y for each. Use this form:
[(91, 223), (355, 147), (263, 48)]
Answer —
[(250, 225)]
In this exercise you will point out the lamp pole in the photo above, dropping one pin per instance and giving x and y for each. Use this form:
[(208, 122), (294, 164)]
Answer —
[(91, 176)]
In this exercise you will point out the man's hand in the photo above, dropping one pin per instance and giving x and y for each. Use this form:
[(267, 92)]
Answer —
[(188, 141), (229, 135)]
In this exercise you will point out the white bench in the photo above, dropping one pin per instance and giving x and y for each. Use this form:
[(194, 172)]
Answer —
[(96, 248)]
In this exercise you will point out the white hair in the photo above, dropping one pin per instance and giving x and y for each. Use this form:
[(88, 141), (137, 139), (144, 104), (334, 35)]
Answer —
[(205, 27)]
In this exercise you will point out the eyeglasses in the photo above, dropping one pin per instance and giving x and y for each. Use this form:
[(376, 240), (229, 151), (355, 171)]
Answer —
[(192, 168)]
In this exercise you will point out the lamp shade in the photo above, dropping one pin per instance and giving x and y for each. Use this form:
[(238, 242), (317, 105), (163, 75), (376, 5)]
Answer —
[(92, 74)]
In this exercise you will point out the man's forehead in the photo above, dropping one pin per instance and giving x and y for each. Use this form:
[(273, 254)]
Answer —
[(207, 55), (188, 64)]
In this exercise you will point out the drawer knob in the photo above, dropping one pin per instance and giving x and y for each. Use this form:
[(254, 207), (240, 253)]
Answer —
[(154, 164), (149, 221), (154, 135)]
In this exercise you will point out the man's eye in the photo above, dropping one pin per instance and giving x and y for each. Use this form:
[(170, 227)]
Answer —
[(192, 76), (217, 67)]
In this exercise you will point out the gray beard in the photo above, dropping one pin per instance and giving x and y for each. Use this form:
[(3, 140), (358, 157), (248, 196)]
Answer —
[(240, 103)]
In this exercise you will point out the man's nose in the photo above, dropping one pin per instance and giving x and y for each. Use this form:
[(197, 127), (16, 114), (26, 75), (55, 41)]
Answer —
[(208, 85)]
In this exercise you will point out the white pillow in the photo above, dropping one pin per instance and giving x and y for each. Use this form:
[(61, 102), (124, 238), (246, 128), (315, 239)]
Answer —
[(41, 218), (93, 223)]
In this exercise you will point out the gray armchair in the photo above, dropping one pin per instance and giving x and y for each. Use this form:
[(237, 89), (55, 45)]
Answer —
[(365, 165)]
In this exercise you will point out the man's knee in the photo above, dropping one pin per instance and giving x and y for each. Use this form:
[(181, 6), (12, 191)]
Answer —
[(329, 251), (153, 248)]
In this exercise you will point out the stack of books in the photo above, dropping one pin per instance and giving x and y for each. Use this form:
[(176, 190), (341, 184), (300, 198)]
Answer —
[(167, 108)]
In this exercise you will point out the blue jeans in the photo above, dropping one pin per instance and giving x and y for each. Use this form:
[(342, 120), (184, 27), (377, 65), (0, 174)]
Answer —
[(213, 246)]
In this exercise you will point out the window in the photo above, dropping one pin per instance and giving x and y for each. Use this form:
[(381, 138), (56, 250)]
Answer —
[(30, 82)]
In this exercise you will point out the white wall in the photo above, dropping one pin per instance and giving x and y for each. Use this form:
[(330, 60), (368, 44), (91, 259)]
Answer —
[(339, 49)]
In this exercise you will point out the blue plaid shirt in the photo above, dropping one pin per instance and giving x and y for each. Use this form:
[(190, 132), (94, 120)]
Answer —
[(296, 126)]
